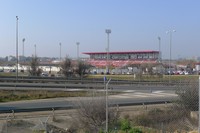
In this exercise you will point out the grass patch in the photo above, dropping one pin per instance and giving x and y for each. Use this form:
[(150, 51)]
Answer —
[(174, 78), (7, 95)]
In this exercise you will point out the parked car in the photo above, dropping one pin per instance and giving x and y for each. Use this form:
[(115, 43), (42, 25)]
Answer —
[(44, 74)]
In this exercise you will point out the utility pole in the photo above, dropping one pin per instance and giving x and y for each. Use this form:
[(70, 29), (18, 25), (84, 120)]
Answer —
[(23, 40), (107, 105), (17, 47)]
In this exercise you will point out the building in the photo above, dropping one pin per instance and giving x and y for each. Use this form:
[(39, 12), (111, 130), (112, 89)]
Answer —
[(121, 59), (121, 62)]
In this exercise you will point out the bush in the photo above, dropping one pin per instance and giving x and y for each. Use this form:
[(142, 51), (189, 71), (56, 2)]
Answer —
[(91, 114), (188, 96), (135, 130), (125, 125)]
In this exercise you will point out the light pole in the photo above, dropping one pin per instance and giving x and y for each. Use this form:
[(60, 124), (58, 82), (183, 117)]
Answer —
[(107, 105), (77, 43), (17, 46), (159, 42), (170, 53), (159, 56), (60, 50), (35, 50), (108, 31), (23, 40)]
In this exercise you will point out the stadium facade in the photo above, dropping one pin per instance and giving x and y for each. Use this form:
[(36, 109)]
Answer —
[(120, 60)]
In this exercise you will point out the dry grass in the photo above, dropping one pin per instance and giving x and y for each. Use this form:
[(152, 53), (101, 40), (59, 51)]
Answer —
[(7, 95)]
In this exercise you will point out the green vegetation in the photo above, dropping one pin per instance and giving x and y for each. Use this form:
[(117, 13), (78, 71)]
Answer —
[(7, 74), (7, 95), (34, 64), (146, 77), (125, 125)]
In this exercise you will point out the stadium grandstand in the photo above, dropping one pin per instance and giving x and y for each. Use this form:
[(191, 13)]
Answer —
[(122, 59)]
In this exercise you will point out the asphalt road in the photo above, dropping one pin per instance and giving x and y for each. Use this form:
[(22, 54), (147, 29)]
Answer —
[(129, 97)]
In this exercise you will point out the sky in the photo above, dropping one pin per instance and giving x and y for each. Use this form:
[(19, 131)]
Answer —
[(135, 25)]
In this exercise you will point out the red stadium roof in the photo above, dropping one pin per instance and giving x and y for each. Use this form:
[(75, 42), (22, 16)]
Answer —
[(125, 52)]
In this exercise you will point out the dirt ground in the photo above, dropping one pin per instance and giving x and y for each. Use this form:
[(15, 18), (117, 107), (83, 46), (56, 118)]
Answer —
[(54, 121), (36, 121)]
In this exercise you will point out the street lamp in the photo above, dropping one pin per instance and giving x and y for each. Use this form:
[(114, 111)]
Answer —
[(17, 46), (35, 50), (170, 53), (77, 43), (107, 105), (108, 31), (23, 40), (60, 50), (159, 42)]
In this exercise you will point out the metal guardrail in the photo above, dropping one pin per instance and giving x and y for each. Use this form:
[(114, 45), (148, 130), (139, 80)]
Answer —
[(51, 85), (83, 81), (16, 110)]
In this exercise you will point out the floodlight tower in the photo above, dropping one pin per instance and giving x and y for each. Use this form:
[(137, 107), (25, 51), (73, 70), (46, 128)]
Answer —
[(108, 31)]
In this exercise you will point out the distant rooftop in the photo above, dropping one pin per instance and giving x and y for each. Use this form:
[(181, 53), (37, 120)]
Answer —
[(122, 52)]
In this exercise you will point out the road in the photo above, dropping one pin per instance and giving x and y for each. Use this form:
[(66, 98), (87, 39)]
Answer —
[(128, 97)]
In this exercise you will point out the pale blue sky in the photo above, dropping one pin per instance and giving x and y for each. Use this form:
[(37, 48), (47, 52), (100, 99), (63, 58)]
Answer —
[(135, 25)]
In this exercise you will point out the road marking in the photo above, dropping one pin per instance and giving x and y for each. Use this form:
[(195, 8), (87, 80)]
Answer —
[(139, 94)]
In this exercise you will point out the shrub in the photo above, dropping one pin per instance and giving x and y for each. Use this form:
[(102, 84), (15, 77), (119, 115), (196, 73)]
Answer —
[(135, 130), (125, 125)]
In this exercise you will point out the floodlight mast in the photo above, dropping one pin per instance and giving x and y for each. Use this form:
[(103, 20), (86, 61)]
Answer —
[(108, 31)]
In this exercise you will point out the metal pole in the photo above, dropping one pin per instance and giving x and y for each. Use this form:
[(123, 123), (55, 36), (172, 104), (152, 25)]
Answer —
[(199, 107), (170, 53), (108, 31), (159, 59), (107, 54), (77, 50), (170, 56), (35, 50), (107, 105), (23, 40), (159, 40), (60, 51), (17, 46)]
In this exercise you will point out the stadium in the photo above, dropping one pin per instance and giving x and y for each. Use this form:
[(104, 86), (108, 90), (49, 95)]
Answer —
[(120, 60)]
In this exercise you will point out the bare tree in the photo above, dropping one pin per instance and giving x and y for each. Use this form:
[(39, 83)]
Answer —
[(81, 68), (66, 67), (34, 67), (92, 114)]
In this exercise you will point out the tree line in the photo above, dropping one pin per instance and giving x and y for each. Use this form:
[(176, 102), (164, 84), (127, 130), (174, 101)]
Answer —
[(67, 67)]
